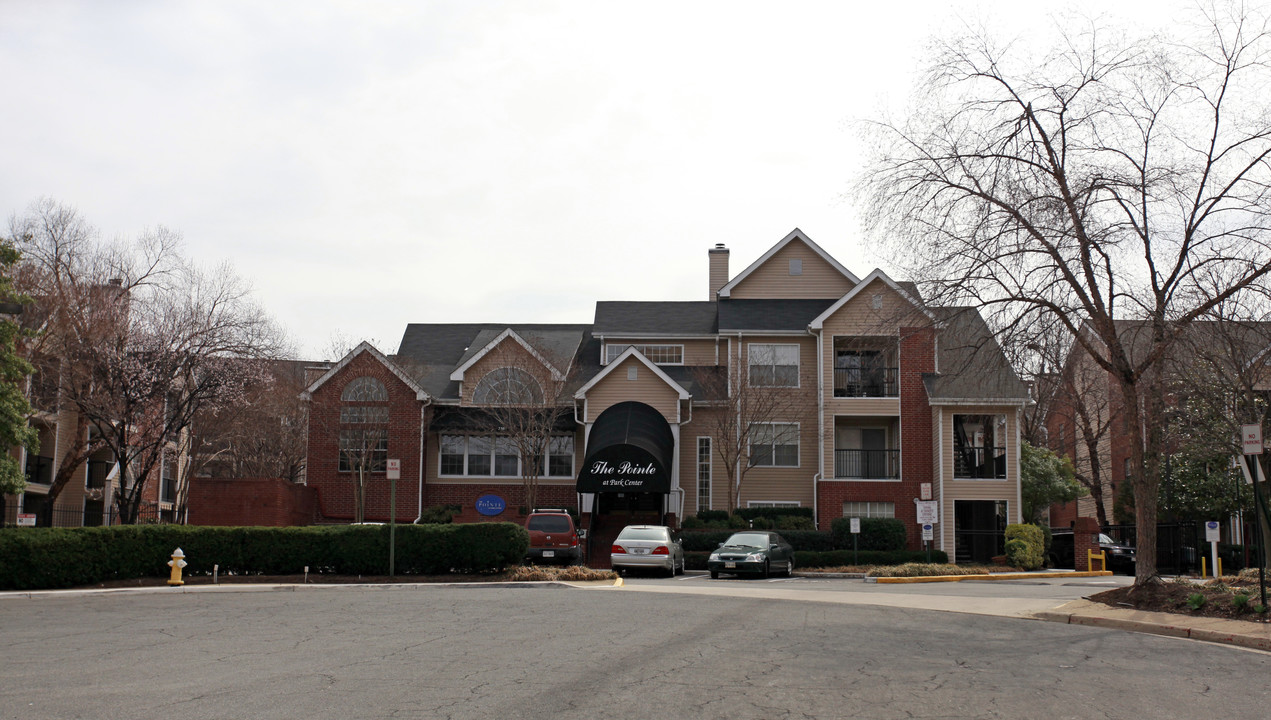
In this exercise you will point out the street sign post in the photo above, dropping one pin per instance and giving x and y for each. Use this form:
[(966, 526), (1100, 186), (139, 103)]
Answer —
[(856, 533), (1251, 443), (393, 473), (1212, 534)]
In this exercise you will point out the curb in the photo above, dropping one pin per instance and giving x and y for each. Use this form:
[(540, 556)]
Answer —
[(990, 576), (1253, 642), (295, 587)]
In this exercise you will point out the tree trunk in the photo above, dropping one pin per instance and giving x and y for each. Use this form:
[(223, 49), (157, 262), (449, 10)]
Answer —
[(1145, 458)]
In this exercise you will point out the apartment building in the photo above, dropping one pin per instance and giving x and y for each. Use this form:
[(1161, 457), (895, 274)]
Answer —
[(849, 395)]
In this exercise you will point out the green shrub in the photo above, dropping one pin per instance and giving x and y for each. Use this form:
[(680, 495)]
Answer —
[(845, 558), (876, 534), (708, 516), (795, 522), (773, 513), (1240, 601), (32, 558), (692, 523), (1024, 546), (708, 540), (1196, 601)]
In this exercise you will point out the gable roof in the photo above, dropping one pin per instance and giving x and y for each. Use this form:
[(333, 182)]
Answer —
[(877, 274), (632, 352), (973, 368), (472, 357), (795, 234), (769, 315), (366, 347)]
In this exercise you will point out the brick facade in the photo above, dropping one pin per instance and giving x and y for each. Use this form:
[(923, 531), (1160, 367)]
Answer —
[(251, 502)]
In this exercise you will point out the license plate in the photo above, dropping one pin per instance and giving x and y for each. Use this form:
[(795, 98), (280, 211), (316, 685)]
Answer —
[(549, 553), (640, 551), (729, 564)]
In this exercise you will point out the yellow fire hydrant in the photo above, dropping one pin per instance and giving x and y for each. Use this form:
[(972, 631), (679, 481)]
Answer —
[(176, 563)]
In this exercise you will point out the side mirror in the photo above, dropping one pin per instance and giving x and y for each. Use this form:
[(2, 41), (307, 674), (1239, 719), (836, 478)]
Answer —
[(719, 545), (773, 546)]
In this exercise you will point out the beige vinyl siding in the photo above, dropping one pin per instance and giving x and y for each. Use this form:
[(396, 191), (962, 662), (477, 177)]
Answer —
[(647, 388), (859, 406), (772, 280), (508, 353), (858, 316), (1007, 489), (784, 484), (779, 483)]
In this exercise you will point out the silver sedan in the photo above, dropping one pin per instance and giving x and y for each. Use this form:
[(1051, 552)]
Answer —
[(648, 546)]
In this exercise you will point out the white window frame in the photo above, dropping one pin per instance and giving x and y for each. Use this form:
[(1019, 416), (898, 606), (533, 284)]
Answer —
[(798, 449), (494, 443), (753, 349), (872, 509), (651, 351), (709, 467), (773, 504)]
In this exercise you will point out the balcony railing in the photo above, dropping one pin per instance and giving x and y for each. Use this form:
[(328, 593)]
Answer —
[(98, 471), (39, 469), (867, 464), (979, 463), (866, 382)]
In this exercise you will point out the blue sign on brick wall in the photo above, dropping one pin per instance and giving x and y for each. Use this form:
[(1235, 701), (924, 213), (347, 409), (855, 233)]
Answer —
[(490, 505)]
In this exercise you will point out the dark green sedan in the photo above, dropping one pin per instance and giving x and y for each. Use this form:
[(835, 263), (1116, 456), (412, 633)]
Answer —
[(752, 551)]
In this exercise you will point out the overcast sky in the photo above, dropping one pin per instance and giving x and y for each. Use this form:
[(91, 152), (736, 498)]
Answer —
[(370, 164)]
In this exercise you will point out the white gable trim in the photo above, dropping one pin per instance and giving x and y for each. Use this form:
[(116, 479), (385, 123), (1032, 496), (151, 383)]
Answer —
[(509, 333), (817, 323), (631, 352), (795, 234), (365, 347)]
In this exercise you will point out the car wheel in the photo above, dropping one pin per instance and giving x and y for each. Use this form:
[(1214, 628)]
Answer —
[(714, 574), (682, 566), (670, 572), (789, 568), (764, 573)]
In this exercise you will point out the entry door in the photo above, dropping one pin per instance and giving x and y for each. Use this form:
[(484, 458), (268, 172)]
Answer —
[(874, 448)]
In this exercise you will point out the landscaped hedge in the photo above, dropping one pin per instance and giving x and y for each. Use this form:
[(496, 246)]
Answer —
[(707, 540), (875, 534), (32, 558), (840, 558)]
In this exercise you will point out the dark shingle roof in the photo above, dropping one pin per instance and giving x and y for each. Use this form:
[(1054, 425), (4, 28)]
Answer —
[(972, 365), (760, 315), (660, 318), (430, 352)]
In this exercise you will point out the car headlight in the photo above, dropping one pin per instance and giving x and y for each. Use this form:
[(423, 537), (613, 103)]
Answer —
[(714, 557), (756, 557)]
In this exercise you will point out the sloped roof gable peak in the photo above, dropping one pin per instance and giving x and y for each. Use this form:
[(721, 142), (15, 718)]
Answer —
[(876, 275), (365, 347), (794, 235)]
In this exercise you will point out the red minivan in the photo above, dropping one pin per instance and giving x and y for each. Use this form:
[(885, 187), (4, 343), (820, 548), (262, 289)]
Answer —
[(553, 538)]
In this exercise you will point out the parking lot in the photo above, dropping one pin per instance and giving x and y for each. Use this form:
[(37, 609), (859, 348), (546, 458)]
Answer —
[(692, 647)]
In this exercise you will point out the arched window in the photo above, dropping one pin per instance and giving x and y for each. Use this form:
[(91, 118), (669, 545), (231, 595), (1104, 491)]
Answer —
[(507, 386), (365, 389)]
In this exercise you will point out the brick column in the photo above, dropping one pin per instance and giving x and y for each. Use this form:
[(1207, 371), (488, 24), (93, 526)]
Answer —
[(917, 357), (1085, 537)]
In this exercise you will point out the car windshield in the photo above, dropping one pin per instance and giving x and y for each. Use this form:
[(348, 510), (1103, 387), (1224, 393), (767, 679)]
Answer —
[(549, 523), (1105, 540), (643, 533), (756, 540)]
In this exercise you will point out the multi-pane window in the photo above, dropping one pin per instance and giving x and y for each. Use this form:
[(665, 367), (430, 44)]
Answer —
[(774, 365), (869, 509), (364, 426), (657, 354), (508, 386), (773, 504), (703, 473), (363, 448), (774, 444), (483, 455)]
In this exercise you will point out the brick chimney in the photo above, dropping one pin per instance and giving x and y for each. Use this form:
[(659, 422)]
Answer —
[(718, 270)]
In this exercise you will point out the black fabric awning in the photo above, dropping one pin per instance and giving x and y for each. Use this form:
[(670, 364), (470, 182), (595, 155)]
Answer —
[(630, 449)]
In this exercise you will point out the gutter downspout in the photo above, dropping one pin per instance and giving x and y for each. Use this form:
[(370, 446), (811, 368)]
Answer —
[(423, 434), (820, 427)]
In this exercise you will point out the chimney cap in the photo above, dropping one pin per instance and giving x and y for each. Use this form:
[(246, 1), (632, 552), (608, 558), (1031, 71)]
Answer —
[(719, 247)]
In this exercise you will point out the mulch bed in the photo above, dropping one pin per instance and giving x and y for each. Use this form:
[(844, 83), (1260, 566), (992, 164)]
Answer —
[(1172, 597)]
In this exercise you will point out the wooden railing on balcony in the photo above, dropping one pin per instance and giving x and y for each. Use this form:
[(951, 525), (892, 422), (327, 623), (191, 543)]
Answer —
[(866, 382), (867, 464)]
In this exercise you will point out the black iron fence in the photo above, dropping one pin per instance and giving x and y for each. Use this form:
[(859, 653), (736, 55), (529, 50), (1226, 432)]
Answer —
[(92, 515), (871, 464)]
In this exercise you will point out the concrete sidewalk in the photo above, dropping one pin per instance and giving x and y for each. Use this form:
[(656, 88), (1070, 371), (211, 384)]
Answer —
[(1252, 635)]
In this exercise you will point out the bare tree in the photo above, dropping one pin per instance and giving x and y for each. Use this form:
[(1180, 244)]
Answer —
[(1105, 179), (746, 418), (525, 405), (144, 340)]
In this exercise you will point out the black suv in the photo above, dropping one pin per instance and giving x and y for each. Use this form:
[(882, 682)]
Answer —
[(1120, 557)]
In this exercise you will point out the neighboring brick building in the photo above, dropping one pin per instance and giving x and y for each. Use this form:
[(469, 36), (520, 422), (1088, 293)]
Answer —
[(891, 401)]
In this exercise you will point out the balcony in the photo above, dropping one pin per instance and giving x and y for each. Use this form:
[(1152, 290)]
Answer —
[(98, 472), (866, 382), (867, 464), (979, 463), (39, 470)]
